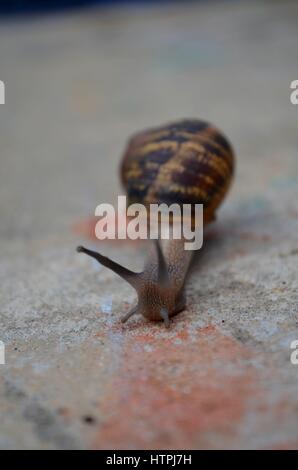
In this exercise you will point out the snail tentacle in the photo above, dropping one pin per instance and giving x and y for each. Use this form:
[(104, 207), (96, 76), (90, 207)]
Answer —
[(129, 276), (165, 316), (132, 312)]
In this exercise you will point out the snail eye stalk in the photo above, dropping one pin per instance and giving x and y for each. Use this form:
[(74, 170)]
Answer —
[(129, 276)]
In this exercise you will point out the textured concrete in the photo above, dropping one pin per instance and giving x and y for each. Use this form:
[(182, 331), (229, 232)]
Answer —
[(76, 87)]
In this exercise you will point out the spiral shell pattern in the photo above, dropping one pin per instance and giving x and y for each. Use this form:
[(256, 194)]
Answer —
[(184, 162)]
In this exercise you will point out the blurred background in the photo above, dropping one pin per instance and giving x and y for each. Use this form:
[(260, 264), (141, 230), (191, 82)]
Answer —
[(80, 77)]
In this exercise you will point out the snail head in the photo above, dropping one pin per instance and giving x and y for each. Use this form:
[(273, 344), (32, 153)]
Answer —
[(157, 297)]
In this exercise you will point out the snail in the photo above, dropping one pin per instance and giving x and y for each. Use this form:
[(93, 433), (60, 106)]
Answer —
[(184, 162)]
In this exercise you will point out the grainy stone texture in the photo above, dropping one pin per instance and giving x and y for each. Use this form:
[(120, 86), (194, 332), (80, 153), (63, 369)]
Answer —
[(76, 86)]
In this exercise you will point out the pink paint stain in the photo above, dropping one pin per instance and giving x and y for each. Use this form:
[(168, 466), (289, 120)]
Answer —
[(170, 392)]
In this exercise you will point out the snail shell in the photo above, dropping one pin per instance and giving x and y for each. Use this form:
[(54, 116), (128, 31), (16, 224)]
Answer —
[(184, 162)]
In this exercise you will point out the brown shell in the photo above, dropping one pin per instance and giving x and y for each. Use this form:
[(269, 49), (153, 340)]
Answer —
[(184, 162)]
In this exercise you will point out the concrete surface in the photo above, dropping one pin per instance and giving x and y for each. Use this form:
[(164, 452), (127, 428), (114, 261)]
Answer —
[(76, 86)]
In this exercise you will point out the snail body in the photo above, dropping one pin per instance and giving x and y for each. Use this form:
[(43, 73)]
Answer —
[(184, 162)]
